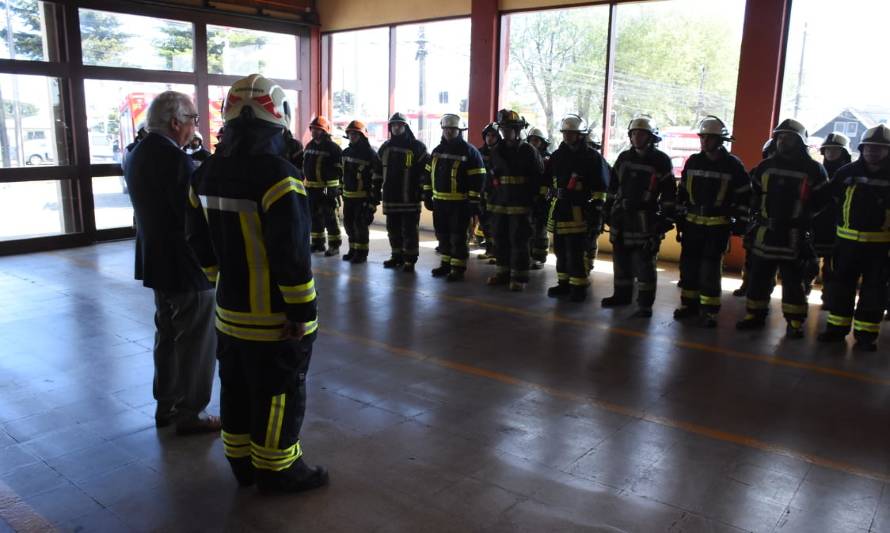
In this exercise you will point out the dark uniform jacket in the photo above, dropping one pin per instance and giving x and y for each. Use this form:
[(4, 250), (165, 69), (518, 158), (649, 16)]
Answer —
[(322, 164), (455, 172), (579, 180), (255, 236), (516, 178), (714, 193), (786, 195), (641, 197), (863, 199), (157, 175), (361, 166), (825, 223), (403, 159)]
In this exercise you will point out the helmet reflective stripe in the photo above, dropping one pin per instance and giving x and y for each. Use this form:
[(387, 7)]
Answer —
[(789, 125), (450, 120), (711, 125), (265, 98), (573, 123), (879, 135)]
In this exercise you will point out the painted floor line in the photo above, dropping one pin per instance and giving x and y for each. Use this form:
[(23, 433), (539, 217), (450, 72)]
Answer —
[(775, 360), (18, 514), (697, 429)]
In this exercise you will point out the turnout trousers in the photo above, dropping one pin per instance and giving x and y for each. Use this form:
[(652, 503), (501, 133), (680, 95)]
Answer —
[(635, 262), (451, 220), (512, 234), (864, 266), (701, 265), (263, 401), (355, 220), (403, 231), (324, 218), (571, 259), (762, 281)]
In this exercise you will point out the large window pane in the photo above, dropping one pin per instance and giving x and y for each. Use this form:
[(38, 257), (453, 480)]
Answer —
[(241, 52), (112, 203), (34, 132), (360, 80), (216, 98), (677, 61), (33, 209), (432, 74), (831, 83), (23, 30), (555, 63), (116, 40), (115, 110)]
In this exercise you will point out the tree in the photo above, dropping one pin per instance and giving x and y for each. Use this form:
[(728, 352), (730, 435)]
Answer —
[(102, 41), (25, 26), (218, 41), (344, 103), (176, 41)]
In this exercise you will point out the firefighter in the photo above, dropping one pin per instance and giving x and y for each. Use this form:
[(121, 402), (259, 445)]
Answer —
[(490, 137), (254, 242), (863, 243), (323, 169), (403, 160), (512, 190), (451, 188), (360, 165), (595, 228), (768, 150), (578, 192), (835, 154), (540, 241), (712, 202), (788, 189), (639, 211)]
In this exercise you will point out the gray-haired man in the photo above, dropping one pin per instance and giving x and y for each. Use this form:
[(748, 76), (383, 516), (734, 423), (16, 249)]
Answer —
[(157, 175)]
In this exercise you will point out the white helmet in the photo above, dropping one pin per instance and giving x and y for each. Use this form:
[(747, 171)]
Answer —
[(879, 135), (537, 132), (573, 123), (265, 98), (450, 120), (645, 123), (711, 125), (198, 136)]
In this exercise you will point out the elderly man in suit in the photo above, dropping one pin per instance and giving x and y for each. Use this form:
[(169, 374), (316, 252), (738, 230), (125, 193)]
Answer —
[(157, 175)]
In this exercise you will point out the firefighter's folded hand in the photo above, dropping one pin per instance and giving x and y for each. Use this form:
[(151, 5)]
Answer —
[(428, 203), (294, 330), (332, 193)]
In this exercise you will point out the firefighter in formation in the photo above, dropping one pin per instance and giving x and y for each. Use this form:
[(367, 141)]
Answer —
[(361, 166), (323, 170), (490, 138), (451, 191), (540, 241)]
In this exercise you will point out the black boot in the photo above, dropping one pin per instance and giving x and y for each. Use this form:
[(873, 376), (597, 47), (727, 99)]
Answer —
[(642, 312), (244, 471), (360, 257), (408, 267), (621, 297), (332, 251), (560, 289), (741, 291), (685, 311), (455, 275), (832, 335), (794, 329), (751, 322), (393, 262), (865, 345), (442, 270), (578, 293), (316, 247), (349, 255), (498, 279), (298, 478), (709, 320)]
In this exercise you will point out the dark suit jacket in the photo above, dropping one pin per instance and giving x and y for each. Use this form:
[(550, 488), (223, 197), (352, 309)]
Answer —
[(157, 175)]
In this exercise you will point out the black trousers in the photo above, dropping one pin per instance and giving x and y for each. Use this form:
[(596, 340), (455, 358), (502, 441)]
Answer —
[(540, 239), (324, 218), (635, 262), (263, 400), (571, 259), (512, 234), (451, 220), (404, 235), (356, 222), (863, 266), (701, 265), (762, 281)]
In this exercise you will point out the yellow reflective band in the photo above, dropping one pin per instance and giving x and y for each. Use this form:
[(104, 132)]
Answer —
[(310, 327), (319, 235), (578, 282), (458, 262), (709, 300), (257, 264), (848, 201), (473, 194), (315, 184), (446, 259), (428, 167), (276, 418), (508, 210), (562, 276), (250, 334), (475, 171), (260, 461), (689, 293), (836, 320), (298, 294), (355, 194), (359, 246), (236, 446), (869, 327), (513, 180), (797, 309), (757, 304), (193, 198), (275, 192), (212, 272), (239, 318), (863, 236), (598, 196), (452, 196), (332, 183), (707, 221), (543, 190)]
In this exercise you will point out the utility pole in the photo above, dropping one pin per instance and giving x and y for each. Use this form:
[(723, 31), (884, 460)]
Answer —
[(699, 112), (421, 63), (803, 49)]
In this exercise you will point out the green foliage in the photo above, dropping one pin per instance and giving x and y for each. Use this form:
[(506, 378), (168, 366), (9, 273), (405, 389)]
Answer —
[(27, 38), (176, 41), (344, 103), (103, 42), (219, 41)]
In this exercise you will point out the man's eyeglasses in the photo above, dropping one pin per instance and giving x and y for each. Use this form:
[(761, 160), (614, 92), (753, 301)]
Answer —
[(193, 117)]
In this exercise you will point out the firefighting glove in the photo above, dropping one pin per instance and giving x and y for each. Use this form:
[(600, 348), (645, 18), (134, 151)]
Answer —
[(428, 203), (332, 194), (370, 209)]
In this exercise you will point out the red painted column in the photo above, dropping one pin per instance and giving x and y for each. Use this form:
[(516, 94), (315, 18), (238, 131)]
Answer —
[(483, 97), (315, 81), (759, 91)]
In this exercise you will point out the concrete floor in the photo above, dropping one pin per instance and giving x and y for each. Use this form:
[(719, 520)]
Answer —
[(446, 407)]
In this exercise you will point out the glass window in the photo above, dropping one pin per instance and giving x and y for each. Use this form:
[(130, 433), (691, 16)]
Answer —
[(360, 80), (32, 112), (216, 95), (112, 203), (431, 58), (115, 110), (827, 81), (676, 61), (238, 51), (33, 209), (116, 40), (23, 34), (567, 75)]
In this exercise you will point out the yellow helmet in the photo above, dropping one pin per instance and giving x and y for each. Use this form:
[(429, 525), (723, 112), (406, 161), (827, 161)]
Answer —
[(711, 125), (450, 120), (507, 118), (790, 125), (645, 123), (265, 98), (879, 135)]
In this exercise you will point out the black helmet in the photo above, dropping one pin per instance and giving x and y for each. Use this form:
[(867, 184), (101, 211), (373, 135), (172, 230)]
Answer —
[(398, 118), (769, 148), (507, 118), (491, 127)]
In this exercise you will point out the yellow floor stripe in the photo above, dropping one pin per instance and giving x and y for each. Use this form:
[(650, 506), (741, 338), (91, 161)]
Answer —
[(704, 431), (775, 360), (18, 514)]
